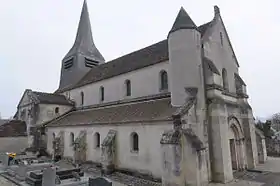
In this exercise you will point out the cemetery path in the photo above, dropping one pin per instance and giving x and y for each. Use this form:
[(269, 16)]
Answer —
[(120, 179), (267, 174), (5, 182)]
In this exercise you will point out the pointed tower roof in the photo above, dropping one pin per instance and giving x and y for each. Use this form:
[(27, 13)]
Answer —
[(183, 21), (84, 42)]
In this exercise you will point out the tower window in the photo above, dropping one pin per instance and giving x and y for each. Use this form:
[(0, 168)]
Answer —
[(56, 110), (127, 88), (82, 98), (163, 80), (90, 63), (225, 79), (134, 139), (68, 63), (221, 39), (101, 93)]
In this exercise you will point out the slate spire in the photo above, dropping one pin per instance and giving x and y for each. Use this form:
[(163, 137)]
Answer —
[(183, 21), (84, 42)]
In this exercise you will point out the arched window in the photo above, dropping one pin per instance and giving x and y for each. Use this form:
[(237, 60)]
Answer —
[(225, 79), (221, 39), (56, 110), (53, 136), (97, 140), (127, 88), (163, 80), (101, 93), (82, 98), (72, 138), (134, 142)]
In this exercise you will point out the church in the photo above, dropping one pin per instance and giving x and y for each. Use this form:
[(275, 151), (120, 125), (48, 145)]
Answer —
[(176, 111)]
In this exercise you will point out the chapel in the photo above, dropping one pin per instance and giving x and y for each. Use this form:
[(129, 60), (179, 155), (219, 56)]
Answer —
[(176, 110)]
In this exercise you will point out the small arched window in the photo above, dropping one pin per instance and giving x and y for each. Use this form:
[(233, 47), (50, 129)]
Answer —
[(53, 136), (134, 142), (56, 110), (163, 80), (221, 39), (225, 79), (97, 140), (72, 138), (101, 93), (127, 88), (82, 98)]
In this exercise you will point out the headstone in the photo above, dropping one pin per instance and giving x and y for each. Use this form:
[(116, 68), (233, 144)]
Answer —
[(76, 176), (99, 182), (49, 176), (4, 160), (57, 180)]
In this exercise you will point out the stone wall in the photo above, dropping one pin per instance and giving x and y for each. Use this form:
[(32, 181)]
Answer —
[(273, 147), (13, 144)]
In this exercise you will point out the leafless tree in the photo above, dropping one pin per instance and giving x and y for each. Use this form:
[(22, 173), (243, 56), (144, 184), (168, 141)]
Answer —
[(275, 121)]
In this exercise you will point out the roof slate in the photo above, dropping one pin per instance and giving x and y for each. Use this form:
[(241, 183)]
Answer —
[(210, 65), (202, 28), (145, 57), (13, 128), (3, 121), (152, 110), (237, 77), (183, 21), (49, 98)]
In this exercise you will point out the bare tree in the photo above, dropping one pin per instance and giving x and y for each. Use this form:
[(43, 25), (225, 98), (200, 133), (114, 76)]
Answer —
[(275, 121)]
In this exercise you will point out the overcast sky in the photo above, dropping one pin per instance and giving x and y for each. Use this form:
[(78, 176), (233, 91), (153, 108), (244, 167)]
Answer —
[(35, 36)]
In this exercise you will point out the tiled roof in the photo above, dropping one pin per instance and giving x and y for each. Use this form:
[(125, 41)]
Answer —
[(202, 28), (145, 57), (210, 65), (13, 128), (151, 110), (3, 121), (237, 77), (183, 21), (49, 98)]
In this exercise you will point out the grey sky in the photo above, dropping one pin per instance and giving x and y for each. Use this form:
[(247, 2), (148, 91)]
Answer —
[(35, 36)]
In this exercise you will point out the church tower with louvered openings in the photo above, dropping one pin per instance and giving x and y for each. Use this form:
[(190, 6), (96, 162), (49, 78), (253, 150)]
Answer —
[(82, 56)]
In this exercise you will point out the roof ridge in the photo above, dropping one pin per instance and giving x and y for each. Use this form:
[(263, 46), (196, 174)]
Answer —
[(126, 101), (122, 104), (48, 93)]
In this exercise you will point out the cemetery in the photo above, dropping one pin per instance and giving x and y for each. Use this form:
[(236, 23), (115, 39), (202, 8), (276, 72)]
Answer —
[(28, 170)]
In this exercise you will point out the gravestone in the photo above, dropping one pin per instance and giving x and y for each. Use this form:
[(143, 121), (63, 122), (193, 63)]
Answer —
[(4, 160), (49, 176), (57, 180), (99, 182)]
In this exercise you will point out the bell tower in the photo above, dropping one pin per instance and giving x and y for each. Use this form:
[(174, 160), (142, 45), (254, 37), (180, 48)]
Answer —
[(82, 56)]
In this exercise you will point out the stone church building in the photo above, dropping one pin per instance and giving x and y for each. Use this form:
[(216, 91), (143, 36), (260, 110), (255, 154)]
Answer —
[(176, 110)]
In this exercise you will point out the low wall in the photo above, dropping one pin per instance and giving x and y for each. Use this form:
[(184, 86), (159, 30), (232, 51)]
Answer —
[(13, 144)]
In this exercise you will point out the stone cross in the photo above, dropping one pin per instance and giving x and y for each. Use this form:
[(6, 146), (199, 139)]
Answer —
[(49, 175)]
